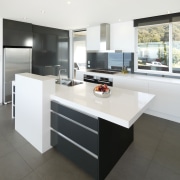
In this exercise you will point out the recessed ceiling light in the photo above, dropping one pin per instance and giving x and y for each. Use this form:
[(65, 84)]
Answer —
[(168, 11), (119, 20), (69, 2), (42, 11), (25, 18)]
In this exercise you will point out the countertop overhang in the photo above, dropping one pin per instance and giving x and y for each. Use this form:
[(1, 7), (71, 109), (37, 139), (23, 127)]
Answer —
[(123, 107)]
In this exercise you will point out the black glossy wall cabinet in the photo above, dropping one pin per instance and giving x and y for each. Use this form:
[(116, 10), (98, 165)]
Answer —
[(17, 34), (50, 48)]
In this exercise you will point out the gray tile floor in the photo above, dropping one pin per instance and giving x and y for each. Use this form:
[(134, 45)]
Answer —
[(154, 154)]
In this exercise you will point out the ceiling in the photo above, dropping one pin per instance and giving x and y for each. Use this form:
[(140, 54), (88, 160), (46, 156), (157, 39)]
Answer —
[(77, 14)]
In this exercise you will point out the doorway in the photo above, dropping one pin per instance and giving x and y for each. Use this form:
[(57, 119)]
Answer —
[(79, 50)]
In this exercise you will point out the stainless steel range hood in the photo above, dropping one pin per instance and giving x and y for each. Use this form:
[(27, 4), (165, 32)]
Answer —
[(104, 36), (104, 39)]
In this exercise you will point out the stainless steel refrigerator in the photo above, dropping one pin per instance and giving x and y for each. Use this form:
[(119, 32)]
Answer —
[(16, 60)]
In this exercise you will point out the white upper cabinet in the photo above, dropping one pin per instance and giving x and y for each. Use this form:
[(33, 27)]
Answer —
[(122, 37), (93, 38)]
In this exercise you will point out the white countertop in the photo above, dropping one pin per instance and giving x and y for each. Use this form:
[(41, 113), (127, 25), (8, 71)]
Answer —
[(123, 107), (35, 76), (135, 76)]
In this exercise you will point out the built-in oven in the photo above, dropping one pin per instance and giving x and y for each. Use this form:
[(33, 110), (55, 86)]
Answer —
[(90, 78), (98, 80), (104, 80)]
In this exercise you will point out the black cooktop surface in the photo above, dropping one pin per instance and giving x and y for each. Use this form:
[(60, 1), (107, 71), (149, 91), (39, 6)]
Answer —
[(103, 71)]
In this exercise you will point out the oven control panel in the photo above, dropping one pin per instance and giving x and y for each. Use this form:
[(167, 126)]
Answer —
[(98, 80)]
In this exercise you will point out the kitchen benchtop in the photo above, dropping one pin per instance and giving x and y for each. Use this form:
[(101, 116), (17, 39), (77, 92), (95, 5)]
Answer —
[(134, 76), (123, 107)]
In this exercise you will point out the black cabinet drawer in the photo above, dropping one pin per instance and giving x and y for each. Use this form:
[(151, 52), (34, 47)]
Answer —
[(81, 135), (74, 153), (75, 115)]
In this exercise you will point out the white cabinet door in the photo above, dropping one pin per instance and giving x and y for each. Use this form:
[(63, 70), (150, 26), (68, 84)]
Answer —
[(131, 83), (93, 38), (167, 98)]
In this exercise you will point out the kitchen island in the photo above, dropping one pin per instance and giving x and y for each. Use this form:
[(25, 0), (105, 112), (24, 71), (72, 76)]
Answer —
[(123, 107), (93, 132)]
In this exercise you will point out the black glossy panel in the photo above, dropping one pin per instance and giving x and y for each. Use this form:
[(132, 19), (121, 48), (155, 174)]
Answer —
[(91, 60), (110, 61), (50, 48), (97, 60), (75, 115), (115, 61), (113, 142), (17, 34), (48, 30), (82, 136), (80, 157), (129, 61)]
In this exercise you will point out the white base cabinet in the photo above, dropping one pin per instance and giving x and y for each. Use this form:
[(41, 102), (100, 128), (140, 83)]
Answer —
[(131, 83), (167, 100)]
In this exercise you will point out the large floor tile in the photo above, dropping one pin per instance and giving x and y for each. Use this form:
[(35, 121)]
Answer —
[(32, 176), (172, 135), (61, 168), (5, 147), (130, 166), (31, 155), (168, 155), (13, 167), (159, 172), (16, 139), (151, 126)]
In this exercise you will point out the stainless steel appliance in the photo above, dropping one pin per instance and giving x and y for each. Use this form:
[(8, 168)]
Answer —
[(16, 60), (98, 80)]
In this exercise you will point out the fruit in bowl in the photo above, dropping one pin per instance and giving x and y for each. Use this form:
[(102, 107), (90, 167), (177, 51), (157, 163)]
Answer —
[(102, 90)]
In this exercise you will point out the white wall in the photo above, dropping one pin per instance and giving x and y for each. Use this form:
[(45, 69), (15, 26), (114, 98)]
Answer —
[(1, 54), (122, 36)]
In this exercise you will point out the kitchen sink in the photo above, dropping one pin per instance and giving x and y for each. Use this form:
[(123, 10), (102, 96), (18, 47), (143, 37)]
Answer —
[(68, 82)]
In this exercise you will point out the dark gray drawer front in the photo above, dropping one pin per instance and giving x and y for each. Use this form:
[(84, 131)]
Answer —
[(77, 155), (75, 115), (80, 135)]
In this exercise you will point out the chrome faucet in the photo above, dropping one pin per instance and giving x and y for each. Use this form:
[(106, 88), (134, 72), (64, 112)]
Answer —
[(60, 74)]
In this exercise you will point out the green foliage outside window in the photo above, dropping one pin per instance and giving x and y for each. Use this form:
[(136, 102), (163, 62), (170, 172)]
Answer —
[(156, 38)]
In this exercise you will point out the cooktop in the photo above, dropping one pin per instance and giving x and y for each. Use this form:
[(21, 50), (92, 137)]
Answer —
[(103, 71)]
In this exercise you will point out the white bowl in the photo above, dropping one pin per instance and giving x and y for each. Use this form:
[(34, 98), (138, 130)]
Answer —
[(102, 94)]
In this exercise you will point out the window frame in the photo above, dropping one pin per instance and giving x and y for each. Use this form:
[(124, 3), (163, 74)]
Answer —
[(155, 72)]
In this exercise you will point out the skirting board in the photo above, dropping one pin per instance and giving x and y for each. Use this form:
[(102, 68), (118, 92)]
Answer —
[(163, 115)]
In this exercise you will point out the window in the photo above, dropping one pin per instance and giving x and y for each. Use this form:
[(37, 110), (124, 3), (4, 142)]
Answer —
[(158, 44), (153, 48), (176, 47)]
